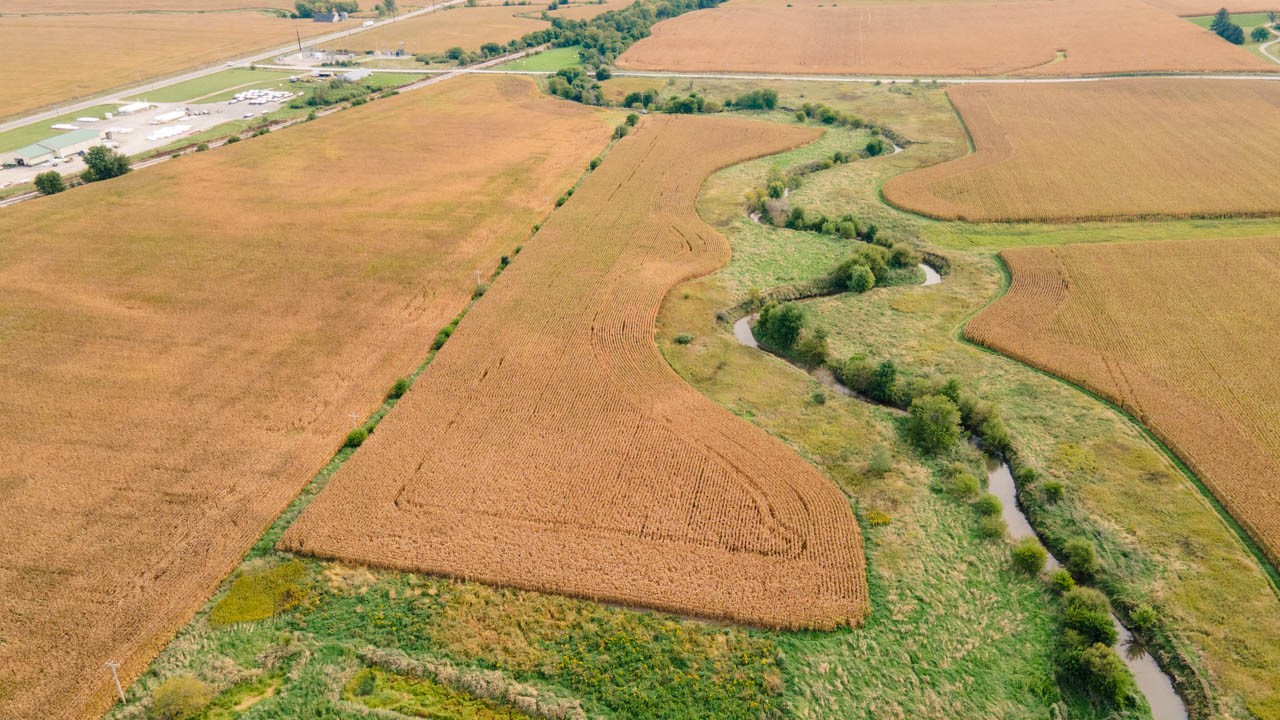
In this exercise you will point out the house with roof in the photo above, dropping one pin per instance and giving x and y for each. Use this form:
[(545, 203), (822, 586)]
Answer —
[(59, 146)]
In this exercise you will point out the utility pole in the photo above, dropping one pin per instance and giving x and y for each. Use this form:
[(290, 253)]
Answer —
[(114, 676), (298, 32), (355, 420)]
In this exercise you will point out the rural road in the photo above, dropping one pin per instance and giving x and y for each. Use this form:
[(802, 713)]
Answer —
[(149, 86)]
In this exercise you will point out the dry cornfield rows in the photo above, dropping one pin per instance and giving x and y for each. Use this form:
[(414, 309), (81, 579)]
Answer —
[(180, 349), (550, 447), (465, 27), (1182, 334), (1107, 150), (51, 59), (946, 38)]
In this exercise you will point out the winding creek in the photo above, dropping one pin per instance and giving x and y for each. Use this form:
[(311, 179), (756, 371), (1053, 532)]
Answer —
[(1152, 682)]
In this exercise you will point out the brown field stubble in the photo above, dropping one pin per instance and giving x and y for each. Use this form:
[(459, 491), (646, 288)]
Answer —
[(464, 27), (977, 38), (181, 348), (1107, 150), (51, 59), (550, 447), (1182, 334), (53, 7)]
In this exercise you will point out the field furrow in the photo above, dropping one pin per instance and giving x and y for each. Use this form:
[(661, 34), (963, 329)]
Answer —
[(550, 447)]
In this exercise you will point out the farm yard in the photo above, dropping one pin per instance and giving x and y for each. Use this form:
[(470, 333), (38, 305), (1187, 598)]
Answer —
[(1119, 149), (762, 537), (80, 54), (1180, 334), (464, 27), (173, 391), (1028, 37)]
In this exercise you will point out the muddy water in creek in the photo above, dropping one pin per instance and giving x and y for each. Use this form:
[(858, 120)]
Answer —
[(1152, 682)]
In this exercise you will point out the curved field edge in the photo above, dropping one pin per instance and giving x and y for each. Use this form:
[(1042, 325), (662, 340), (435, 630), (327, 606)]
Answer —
[(1157, 438), (585, 337)]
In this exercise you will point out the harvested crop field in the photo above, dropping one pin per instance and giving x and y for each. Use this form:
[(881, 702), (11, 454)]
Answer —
[(588, 10), (80, 55), (145, 6), (569, 457), (1107, 150), (182, 347), (464, 27), (1182, 334), (1032, 37)]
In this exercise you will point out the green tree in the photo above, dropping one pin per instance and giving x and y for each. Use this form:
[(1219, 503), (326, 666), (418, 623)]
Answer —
[(1105, 673), (50, 183), (934, 423), (1221, 19), (884, 381), (1081, 557), (1259, 34), (1087, 612), (1029, 556), (779, 326), (104, 164)]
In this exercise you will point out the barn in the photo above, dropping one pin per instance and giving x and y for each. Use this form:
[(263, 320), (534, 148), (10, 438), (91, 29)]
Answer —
[(59, 146)]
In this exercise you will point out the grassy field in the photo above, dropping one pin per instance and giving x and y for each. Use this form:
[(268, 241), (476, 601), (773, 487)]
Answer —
[(1142, 325), (125, 330), (203, 87), (944, 39), (547, 60), (465, 27), (1175, 555), (761, 536), (27, 134), (80, 54), (1123, 148)]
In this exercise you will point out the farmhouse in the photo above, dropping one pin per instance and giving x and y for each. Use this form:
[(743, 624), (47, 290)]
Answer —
[(59, 146)]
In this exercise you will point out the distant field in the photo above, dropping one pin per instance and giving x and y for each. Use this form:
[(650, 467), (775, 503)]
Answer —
[(210, 84), (588, 10), (464, 27), (1180, 333), (182, 347), (1123, 148), (547, 60), (570, 458), (83, 55), (1206, 7), (1031, 37), (116, 6)]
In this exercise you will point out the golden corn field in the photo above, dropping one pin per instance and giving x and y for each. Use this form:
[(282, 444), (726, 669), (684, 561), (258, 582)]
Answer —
[(550, 447), (182, 348), (465, 27), (1028, 37), (1107, 150), (1182, 334), (80, 55)]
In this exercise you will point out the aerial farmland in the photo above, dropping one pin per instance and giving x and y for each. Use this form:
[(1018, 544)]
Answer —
[(636, 359)]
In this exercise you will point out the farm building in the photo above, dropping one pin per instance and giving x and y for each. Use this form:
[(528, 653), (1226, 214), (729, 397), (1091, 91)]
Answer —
[(59, 146), (356, 75), (331, 17), (132, 108)]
